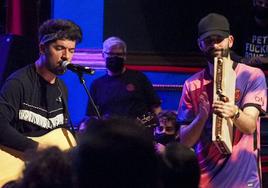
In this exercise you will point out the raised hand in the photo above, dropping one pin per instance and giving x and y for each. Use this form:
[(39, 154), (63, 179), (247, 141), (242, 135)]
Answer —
[(204, 105)]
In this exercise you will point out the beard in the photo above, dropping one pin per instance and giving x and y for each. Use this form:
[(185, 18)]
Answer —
[(211, 53), (56, 69)]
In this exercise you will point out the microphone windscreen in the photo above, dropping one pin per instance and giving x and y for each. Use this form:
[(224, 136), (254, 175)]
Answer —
[(64, 64)]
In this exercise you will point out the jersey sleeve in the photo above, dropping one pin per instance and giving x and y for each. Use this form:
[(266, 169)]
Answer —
[(186, 109), (256, 92)]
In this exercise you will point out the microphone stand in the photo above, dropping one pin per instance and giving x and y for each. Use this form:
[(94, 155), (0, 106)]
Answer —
[(83, 82)]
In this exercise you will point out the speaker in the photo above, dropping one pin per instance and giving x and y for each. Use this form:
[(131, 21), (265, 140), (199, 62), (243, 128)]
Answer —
[(16, 52)]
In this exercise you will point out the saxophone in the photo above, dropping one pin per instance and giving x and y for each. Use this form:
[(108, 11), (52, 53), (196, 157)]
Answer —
[(223, 90)]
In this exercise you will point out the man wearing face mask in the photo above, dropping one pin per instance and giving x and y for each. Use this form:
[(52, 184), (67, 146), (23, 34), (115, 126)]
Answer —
[(241, 168), (121, 92), (252, 42)]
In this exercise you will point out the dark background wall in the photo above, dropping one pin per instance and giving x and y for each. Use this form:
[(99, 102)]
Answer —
[(2, 16), (23, 17), (166, 26), (19, 22), (147, 26)]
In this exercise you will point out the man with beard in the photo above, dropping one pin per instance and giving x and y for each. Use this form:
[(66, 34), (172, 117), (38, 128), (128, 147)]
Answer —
[(253, 38), (241, 168), (33, 99), (121, 92)]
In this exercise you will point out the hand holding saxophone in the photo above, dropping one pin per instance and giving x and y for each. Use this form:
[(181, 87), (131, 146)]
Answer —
[(224, 109)]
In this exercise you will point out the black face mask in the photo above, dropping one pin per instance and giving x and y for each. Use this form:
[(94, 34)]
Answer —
[(164, 138), (115, 64), (261, 12)]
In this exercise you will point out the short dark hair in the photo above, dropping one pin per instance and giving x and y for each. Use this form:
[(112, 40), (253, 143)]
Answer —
[(55, 29), (169, 116)]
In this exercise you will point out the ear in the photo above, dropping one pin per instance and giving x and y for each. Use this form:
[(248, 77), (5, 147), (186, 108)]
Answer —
[(42, 48), (231, 41), (199, 44)]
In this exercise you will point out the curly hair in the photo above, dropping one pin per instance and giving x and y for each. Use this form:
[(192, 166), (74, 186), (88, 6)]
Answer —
[(55, 29)]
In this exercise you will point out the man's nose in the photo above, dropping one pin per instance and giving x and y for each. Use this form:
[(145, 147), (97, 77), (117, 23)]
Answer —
[(216, 45), (66, 55)]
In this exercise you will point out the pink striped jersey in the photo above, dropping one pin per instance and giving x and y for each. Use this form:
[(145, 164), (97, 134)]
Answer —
[(242, 167)]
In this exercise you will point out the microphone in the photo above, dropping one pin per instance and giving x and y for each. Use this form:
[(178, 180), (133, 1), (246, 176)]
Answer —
[(77, 68)]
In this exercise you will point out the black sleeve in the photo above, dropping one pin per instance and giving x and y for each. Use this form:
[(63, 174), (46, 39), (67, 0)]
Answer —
[(10, 97), (149, 92)]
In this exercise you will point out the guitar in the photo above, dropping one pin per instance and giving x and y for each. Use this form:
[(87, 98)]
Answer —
[(148, 120), (12, 161)]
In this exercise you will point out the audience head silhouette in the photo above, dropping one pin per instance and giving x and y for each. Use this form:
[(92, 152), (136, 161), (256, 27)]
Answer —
[(115, 152)]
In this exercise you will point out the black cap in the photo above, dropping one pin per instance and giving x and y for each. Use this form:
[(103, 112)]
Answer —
[(213, 24)]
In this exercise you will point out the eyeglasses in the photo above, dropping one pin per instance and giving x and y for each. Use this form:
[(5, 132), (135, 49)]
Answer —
[(111, 54)]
